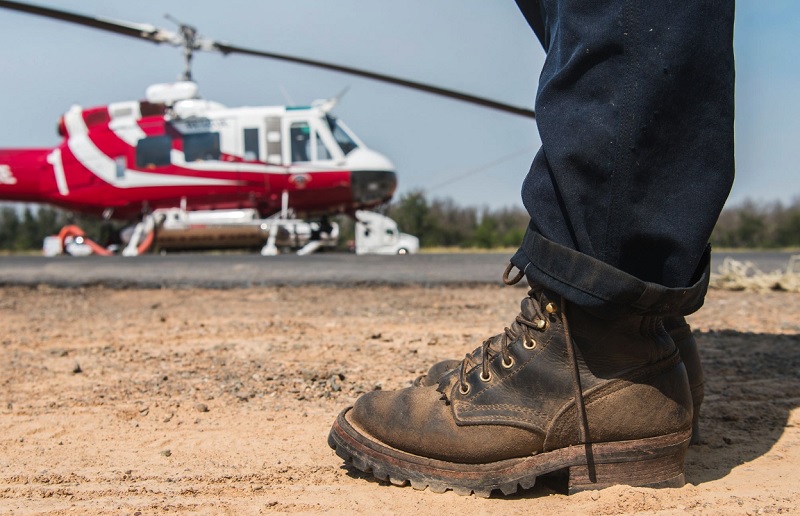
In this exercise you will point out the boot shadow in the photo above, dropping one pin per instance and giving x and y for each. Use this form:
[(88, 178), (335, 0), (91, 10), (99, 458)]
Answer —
[(751, 386)]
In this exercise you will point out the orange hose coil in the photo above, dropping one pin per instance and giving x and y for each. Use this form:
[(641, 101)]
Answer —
[(75, 231)]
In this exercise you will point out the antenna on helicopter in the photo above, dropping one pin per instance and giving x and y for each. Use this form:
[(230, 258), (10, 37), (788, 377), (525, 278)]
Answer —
[(288, 98)]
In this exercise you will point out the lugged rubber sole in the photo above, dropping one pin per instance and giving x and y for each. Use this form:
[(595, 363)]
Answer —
[(651, 462)]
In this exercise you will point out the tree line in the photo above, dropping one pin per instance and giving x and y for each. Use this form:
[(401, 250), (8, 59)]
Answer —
[(443, 223), (754, 225), (748, 225)]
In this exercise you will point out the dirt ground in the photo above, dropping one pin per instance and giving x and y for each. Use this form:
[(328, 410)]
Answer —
[(220, 401)]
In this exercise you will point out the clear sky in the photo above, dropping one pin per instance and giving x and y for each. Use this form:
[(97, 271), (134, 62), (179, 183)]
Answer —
[(483, 47)]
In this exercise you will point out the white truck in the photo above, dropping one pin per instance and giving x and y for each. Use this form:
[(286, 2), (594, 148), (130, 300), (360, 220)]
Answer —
[(378, 234)]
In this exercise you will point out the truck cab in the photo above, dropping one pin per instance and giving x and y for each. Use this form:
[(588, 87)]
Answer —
[(378, 234)]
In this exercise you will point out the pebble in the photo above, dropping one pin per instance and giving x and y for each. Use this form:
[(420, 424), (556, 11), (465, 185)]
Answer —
[(201, 407)]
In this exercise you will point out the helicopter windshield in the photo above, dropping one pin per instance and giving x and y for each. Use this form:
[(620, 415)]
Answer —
[(344, 140)]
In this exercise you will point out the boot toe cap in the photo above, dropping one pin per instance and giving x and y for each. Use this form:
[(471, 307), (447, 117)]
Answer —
[(420, 421)]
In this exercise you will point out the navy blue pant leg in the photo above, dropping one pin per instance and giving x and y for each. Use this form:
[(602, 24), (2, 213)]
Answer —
[(635, 112)]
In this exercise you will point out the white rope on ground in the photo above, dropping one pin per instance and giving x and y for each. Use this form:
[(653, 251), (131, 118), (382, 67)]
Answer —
[(736, 275)]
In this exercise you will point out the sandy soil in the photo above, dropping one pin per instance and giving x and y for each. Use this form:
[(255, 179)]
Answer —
[(219, 402)]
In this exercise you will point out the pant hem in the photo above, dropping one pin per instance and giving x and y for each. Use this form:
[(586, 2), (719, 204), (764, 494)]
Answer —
[(601, 288)]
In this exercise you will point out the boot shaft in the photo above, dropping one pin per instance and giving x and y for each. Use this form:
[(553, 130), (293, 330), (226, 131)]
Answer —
[(610, 348)]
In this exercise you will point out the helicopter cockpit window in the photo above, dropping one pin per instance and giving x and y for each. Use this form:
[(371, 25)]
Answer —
[(340, 135), (201, 147), (153, 151), (322, 150)]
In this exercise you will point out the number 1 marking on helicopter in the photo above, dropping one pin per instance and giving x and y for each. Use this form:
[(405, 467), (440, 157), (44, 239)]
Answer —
[(6, 177), (54, 158)]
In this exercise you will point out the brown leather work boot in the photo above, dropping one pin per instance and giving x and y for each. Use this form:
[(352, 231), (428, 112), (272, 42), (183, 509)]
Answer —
[(681, 334), (608, 402)]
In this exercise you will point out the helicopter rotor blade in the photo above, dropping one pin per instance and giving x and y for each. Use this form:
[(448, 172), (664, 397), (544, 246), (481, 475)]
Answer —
[(157, 35), (135, 30), (481, 101)]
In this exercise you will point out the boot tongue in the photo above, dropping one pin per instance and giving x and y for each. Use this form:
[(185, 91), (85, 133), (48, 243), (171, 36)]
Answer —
[(528, 307), (527, 310), (447, 382)]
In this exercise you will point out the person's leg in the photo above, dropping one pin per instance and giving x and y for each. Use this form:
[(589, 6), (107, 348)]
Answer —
[(535, 12), (586, 379)]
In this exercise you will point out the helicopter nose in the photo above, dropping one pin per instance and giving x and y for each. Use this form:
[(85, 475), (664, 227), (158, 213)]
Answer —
[(372, 187)]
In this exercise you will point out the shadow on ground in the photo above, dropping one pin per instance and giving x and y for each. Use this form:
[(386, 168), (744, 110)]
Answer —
[(752, 385)]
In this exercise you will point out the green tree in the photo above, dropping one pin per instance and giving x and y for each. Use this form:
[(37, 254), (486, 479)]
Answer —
[(413, 215), (486, 234), (455, 226), (9, 228), (28, 231), (787, 232)]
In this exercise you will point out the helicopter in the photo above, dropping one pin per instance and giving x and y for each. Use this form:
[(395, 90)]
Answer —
[(175, 156)]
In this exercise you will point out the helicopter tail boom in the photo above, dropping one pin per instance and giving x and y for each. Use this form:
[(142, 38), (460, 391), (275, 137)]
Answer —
[(26, 175)]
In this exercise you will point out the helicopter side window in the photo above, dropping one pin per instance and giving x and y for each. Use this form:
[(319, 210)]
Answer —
[(201, 147), (153, 151), (251, 147), (301, 141), (340, 135)]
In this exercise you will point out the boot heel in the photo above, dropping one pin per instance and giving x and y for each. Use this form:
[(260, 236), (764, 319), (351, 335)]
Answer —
[(663, 471)]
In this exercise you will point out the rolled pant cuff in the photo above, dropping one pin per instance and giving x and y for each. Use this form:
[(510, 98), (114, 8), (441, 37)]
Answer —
[(601, 288)]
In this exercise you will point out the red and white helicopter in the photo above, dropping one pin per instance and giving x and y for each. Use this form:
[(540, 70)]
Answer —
[(183, 165)]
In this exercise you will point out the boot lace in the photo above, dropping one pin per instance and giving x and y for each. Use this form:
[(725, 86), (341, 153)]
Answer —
[(524, 328)]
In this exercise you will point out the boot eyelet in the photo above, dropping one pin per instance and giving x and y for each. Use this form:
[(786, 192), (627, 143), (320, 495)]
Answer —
[(551, 308), (541, 324), (528, 344), (508, 365), (464, 391), (485, 378)]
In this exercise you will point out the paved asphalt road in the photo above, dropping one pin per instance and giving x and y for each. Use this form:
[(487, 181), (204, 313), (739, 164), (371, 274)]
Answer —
[(233, 270)]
